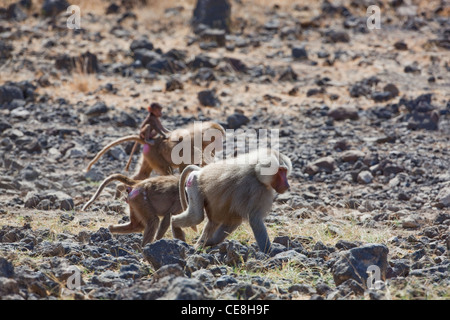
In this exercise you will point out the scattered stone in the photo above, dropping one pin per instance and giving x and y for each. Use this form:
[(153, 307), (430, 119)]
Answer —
[(224, 281), (124, 119), (354, 263), (101, 235), (50, 8), (166, 251), (99, 108), (5, 50), (400, 45), (186, 289), (237, 120), (343, 113), (325, 164), (213, 14), (412, 68), (410, 223), (165, 65), (443, 197), (352, 155), (365, 177), (217, 36), (9, 93), (173, 84), (141, 43), (208, 98), (299, 53), (337, 36), (6, 268), (288, 74)]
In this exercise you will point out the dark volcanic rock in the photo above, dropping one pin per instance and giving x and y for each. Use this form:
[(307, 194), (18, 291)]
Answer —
[(14, 12), (343, 113), (145, 56), (173, 84), (217, 36), (237, 120), (208, 98), (9, 93), (165, 65), (354, 263), (288, 74), (363, 87), (400, 45), (299, 53), (101, 235), (183, 288), (212, 13), (141, 43), (325, 164), (50, 8), (166, 251), (97, 109), (6, 268), (203, 61), (337, 36), (49, 200), (124, 119), (5, 50), (422, 114)]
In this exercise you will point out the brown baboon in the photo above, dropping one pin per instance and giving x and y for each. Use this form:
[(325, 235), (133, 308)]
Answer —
[(148, 200), (150, 128), (231, 191), (158, 157)]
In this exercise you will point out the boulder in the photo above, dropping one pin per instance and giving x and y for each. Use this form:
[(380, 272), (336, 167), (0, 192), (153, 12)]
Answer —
[(325, 164), (354, 263), (443, 197), (208, 98), (50, 8), (166, 251), (213, 14), (343, 113)]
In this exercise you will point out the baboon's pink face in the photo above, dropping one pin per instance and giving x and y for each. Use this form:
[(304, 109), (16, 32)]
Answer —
[(280, 182)]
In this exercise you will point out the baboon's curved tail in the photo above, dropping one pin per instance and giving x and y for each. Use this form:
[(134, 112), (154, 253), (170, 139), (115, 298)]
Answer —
[(131, 156), (215, 125), (113, 144), (183, 177), (115, 177)]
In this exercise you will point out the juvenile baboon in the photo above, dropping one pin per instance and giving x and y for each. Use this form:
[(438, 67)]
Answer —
[(150, 128), (158, 157), (148, 201), (231, 191)]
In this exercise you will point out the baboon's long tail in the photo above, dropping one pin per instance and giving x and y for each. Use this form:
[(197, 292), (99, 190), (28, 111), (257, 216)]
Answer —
[(113, 144), (131, 156), (113, 177)]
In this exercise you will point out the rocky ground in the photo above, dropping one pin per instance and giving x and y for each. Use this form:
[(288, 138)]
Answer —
[(363, 114)]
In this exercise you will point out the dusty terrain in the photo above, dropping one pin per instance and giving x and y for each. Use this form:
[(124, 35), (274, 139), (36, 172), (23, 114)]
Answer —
[(363, 114)]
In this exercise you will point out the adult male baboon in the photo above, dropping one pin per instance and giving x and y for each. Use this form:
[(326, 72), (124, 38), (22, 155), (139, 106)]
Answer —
[(231, 191)]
